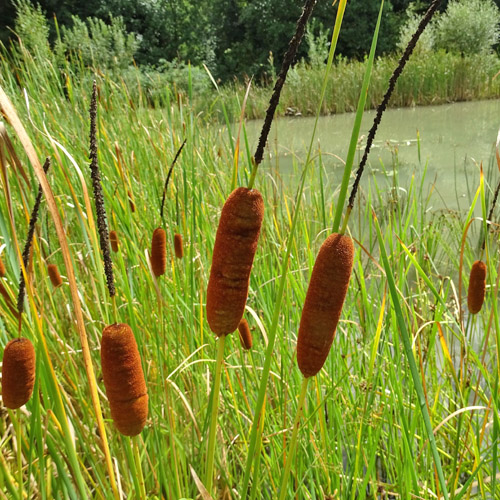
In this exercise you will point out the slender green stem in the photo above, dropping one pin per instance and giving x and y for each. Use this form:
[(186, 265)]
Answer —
[(215, 410), (258, 455), (253, 175), (131, 464), (137, 458), (19, 439), (293, 442), (115, 309)]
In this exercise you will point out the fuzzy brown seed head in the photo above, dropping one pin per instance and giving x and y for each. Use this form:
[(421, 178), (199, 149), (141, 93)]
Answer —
[(18, 373), (159, 252), (477, 287), (179, 251), (114, 241), (54, 275), (2, 268), (234, 250), (131, 201), (124, 379), (324, 300), (245, 334)]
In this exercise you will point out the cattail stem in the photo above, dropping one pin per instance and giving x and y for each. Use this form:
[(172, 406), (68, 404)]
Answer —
[(385, 100), (115, 309), (346, 220), (128, 444), (19, 439), (253, 175), (293, 442), (138, 466), (490, 215), (29, 240), (255, 479), (168, 178), (214, 413)]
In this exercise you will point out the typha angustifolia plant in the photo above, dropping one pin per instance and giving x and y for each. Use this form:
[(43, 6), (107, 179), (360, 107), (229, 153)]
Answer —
[(19, 360), (477, 277), (245, 334), (158, 258), (114, 241), (121, 365), (178, 243), (52, 269), (236, 243), (333, 266), (82, 489), (3, 271), (259, 413)]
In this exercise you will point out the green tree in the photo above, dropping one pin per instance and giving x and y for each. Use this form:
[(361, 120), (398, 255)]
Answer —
[(358, 26), (468, 27)]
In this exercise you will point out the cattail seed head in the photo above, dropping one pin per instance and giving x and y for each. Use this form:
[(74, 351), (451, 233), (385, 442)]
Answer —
[(234, 250), (324, 300), (477, 287), (179, 251), (18, 373), (124, 379), (131, 201), (2, 268), (113, 240), (159, 252), (54, 275), (245, 334)]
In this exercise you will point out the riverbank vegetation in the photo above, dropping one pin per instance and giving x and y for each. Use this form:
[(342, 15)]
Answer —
[(450, 64), (362, 435)]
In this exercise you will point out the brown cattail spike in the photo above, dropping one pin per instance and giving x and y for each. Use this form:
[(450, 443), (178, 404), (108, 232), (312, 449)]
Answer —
[(18, 373), (245, 334), (113, 240), (124, 379), (130, 202), (159, 252), (234, 250), (179, 251), (55, 277), (477, 287), (2, 269), (324, 300)]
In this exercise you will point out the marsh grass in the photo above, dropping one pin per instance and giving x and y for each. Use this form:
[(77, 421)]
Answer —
[(365, 388), (434, 78)]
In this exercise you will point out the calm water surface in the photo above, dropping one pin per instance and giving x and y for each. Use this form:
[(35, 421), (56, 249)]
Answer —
[(454, 140)]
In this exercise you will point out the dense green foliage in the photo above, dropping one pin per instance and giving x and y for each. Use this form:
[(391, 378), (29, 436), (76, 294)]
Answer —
[(468, 27), (232, 37)]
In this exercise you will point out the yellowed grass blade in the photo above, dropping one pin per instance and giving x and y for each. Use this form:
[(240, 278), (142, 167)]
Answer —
[(10, 113)]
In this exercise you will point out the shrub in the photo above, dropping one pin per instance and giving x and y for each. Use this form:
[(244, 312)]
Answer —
[(32, 29), (427, 39), (468, 27), (97, 44)]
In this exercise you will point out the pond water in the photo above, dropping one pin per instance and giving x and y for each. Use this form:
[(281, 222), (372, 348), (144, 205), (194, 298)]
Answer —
[(454, 140)]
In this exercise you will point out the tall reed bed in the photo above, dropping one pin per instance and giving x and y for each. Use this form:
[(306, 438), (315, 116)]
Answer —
[(432, 78), (361, 428)]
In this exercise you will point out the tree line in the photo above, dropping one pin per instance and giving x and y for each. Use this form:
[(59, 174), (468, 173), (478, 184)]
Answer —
[(233, 38)]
